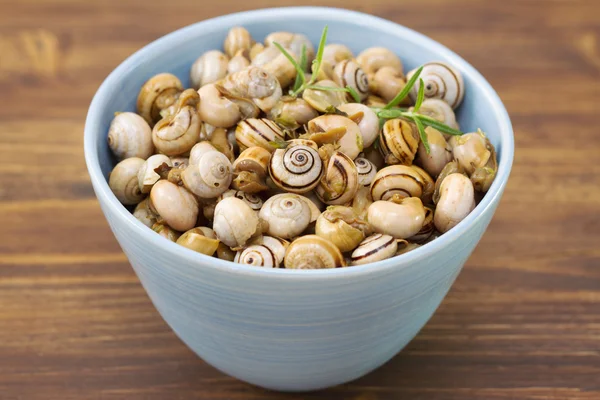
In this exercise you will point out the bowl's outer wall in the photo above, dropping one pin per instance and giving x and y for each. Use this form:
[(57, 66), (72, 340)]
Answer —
[(291, 334)]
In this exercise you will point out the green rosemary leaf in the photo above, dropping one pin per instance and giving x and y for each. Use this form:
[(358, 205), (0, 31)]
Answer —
[(303, 60), (353, 93), (422, 133), (327, 88), (420, 96), (319, 58), (389, 114), (404, 92), (434, 123), (299, 70)]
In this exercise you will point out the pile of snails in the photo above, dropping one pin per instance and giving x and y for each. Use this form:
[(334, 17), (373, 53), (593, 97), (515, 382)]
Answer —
[(281, 156)]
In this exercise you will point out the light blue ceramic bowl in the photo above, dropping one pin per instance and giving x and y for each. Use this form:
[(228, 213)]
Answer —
[(284, 329)]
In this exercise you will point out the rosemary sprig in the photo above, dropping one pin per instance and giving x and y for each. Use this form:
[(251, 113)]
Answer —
[(347, 89), (405, 91), (299, 76), (422, 134), (420, 96)]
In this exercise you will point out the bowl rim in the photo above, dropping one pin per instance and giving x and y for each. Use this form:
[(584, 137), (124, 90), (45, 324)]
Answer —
[(325, 14)]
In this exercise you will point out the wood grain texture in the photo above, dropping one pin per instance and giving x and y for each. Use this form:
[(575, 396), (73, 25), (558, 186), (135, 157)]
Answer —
[(521, 322)]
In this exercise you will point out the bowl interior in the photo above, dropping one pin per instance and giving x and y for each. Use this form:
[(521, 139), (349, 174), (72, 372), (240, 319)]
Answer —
[(175, 53)]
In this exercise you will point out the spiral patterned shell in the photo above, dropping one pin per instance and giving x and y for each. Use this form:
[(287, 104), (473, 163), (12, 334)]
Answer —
[(257, 255), (313, 252), (210, 177), (208, 68), (130, 135), (123, 181), (400, 140), (366, 171), (258, 132), (349, 73), (254, 83), (439, 110), (376, 247), (397, 179), (427, 230), (179, 132), (158, 93), (441, 82), (238, 38), (296, 169), (288, 215), (252, 200), (340, 182)]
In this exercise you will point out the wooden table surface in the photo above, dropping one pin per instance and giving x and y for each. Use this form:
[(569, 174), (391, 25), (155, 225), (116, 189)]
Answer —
[(521, 322)]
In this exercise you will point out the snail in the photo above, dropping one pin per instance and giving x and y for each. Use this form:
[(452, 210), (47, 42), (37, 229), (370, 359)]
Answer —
[(146, 176), (440, 111), (158, 93), (129, 135), (175, 205), (342, 227), (225, 253), (219, 139), (166, 231), (451, 168), (282, 69), (255, 50), (235, 222), (144, 214), (334, 53), (373, 154), (199, 150), (483, 177), (276, 245), (373, 59), (287, 215), (340, 180), (221, 111), (401, 180), (258, 132), (366, 171), (322, 100), (351, 143), (457, 200), (399, 217), (296, 169), (367, 121), (257, 255), (238, 38), (177, 133), (208, 68), (313, 252), (252, 200), (201, 239), (239, 61), (427, 183), (398, 141), (347, 73), (471, 150), (123, 181), (266, 55), (250, 170), (386, 83), (361, 201), (426, 230), (292, 113), (376, 247), (256, 84), (440, 152), (374, 101), (405, 247), (209, 176), (441, 81), (293, 42)]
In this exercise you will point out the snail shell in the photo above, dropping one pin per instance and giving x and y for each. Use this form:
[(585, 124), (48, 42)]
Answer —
[(387, 82), (255, 50), (258, 132), (366, 171), (292, 112), (179, 162), (367, 121), (147, 177), (400, 218), (210, 176), (451, 168), (373, 59), (276, 245), (157, 93), (235, 222), (216, 109), (178, 132), (238, 38), (403, 181), (219, 139), (166, 231), (293, 42), (250, 170), (373, 154), (440, 152), (441, 82), (374, 101), (257, 255), (313, 252), (266, 55), (405, 247), (282, 69), (483, 177), (287, 214), (427, 230), (334, 53), (129, 135), (296, 169), (202, 240), (123, 181), (399, 139), (439, 110), (208, 68), (256, 84), (376, 247), (457, 200), (252, 200), (321, 100), (176, 206), (199, 150), (342, 227), (240, 61), (225, 253), (349, 73), (351, 143), (144, 214), (471, 151), (340, 181)]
